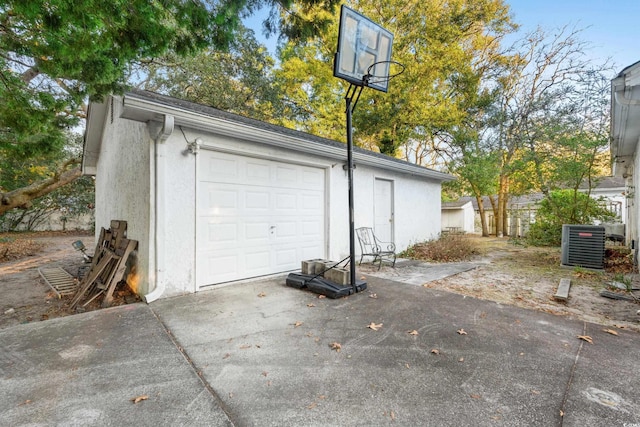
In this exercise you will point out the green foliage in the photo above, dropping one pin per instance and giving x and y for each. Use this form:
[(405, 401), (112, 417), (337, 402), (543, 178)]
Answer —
[(71, 201), (446, 48), (448, 248), (564, 207), (74, 199), (56, 54), (238, 80)]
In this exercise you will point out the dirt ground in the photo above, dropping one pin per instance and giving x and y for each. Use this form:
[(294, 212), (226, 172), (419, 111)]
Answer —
[(508, 273), (528, 277), (24, 295)]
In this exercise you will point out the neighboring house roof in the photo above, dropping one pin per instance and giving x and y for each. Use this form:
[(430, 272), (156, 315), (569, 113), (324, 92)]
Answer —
[(528, 200), (459, 204), (625, 117), (147, 106), (606, 183)]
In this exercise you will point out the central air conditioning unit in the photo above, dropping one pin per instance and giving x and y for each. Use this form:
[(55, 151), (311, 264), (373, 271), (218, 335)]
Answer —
[(583, 246)]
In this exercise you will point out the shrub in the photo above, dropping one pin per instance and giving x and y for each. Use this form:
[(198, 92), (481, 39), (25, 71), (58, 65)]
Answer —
[(564, 207), (448, 248)]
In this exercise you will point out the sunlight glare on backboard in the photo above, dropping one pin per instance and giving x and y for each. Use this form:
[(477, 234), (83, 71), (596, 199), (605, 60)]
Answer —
[(361, 44)]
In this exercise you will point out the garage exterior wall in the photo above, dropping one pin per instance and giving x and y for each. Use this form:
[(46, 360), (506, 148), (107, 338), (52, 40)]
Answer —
[(123, 185), (152, 184)]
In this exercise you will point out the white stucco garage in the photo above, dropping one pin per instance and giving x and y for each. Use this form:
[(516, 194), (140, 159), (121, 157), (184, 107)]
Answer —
[(213, 197)]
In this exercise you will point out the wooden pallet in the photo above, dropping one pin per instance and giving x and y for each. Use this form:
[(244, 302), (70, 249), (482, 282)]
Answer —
[(108, 266), (59, 280)]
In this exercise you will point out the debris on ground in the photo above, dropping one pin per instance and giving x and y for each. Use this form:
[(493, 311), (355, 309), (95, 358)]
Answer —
[(108, 266)]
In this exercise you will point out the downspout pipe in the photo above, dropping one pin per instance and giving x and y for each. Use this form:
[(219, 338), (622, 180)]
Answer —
[(159, 171)]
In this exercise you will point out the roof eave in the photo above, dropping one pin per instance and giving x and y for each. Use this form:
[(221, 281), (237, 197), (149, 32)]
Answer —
[(140, 108)]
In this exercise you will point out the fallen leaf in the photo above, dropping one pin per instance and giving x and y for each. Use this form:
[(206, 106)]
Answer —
[(311, 304), (374, 326), (139, 398), (414, 332), (313, 405), (435, 351), (226, 356), (476, 396), (374, 296), (392, 415), (245, 346), (586, 338), (265, 373), (26, 402), (230, 395), (298, 323), (461, 331), (335, 346), (262, 294), (535, 392), (611, 331)]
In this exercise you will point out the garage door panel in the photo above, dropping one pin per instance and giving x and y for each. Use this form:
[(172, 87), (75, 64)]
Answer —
[(287, 258), (216, 200), (286, 176), (256, 217), (256, 201), (219, 264), (311, 229), (220, 169), (285, 231), (313, 179), (257, 171), (257, 262), (312, 202), (285, 201), (256, 233), (222, 233)]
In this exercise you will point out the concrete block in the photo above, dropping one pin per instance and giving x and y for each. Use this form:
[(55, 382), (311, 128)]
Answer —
[(322, 265), (338, 275), (309, 266), (563, 290)]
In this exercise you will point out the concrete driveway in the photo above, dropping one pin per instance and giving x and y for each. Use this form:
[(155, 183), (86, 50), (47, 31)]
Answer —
[(263, 354)]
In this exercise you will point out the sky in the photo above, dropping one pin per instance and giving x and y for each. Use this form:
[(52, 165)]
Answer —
[(612, 28)]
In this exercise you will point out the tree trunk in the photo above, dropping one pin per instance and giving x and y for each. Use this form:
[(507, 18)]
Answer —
[(22, 197), (483, 218), (505, 214), (494, 207)]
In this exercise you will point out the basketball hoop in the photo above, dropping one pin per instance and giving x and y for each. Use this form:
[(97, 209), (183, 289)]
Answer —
[(383, 68)]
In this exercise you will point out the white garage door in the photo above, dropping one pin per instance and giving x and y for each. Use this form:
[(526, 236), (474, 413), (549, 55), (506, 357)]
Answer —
[(256, 217)]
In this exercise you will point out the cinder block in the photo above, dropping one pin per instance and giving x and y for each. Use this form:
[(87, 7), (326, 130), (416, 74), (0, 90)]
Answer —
[(309, 266), (322, 265), (338, 275)]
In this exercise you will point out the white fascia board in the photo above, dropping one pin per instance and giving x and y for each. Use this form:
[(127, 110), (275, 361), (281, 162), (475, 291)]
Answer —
[(96, 118), (144, 110)]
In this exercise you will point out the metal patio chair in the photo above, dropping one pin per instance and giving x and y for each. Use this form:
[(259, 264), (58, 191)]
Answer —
[(370, 245)]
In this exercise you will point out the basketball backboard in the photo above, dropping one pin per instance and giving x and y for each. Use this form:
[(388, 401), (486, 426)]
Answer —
[(364, 47)]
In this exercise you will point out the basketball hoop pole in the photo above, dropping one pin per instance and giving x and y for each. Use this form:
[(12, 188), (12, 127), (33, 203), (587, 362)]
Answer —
[(351, 92)]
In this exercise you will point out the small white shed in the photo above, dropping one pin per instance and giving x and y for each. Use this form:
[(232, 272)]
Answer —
[(458, 216), (213, 197)]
